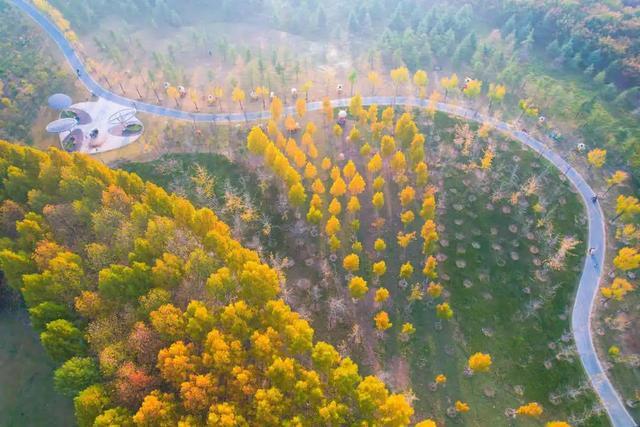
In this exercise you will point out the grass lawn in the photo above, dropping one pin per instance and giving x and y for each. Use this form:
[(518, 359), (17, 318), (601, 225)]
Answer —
[(506, 302), (27, 396)]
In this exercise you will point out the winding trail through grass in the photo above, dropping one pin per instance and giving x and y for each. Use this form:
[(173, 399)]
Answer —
[(591, 273)]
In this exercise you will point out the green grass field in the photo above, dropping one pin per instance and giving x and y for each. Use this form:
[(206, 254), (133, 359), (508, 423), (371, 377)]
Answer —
[(27, 396), (504, 304)]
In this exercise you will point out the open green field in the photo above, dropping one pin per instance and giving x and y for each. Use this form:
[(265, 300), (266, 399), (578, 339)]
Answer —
[(506, 301), (27, 397)]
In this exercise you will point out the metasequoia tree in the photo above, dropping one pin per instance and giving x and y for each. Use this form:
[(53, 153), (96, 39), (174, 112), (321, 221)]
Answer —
[(374, 80), (496, 94), (399, 77), (479, 362), (358, 287), (449, 83), (238, 95), (597, 157), (627, 259), (382, 321), (531, 409), (421, 80)]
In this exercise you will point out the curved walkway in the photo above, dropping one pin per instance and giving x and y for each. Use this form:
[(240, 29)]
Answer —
[(591, 274)]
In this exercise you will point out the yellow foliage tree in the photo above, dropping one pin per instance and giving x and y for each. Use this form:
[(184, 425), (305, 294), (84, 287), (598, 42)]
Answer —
[(407, 217), (407, 196), (399, 77), (357, 185), (276, 108), (351, 262), (487, 158), (378, 183), (382, 321), (335, 207), (429, 235), (310, 171), (238, 95), (375, 164), (387, 146), (617, 178), (338, 188), (374, 80), (301, 107), (444, 311), (462, 407), (327, 108), (406, 270), (398, 163), (334, 243), (422, 174), (597, 157), (358, 287), (421, 80), (618, 289), (432, 106), (531, 409), (434, 290), (480, 362), (449, 83), (333, 226), (353, 205), (404, 239), (355, 105), (473, 88), (430, 267), (387, 117), (378, 200), (326, 164), (627, 259), (496, 93), (382, 294), (408, 329), (349, 170), (627, 207), (379, 268), (317, 186)]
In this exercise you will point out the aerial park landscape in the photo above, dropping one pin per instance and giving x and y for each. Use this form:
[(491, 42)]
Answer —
[(274, 213)]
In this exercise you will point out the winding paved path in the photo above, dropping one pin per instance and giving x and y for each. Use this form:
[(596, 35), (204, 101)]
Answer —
[(591, 274)]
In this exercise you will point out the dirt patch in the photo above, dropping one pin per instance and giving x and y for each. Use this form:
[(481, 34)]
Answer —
[(399, 378)]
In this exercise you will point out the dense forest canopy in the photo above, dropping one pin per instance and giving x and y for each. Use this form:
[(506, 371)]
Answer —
[(27, 75), (157, 315)]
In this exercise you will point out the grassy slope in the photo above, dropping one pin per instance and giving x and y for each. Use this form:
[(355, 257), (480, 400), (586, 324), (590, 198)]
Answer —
[(496, 300)]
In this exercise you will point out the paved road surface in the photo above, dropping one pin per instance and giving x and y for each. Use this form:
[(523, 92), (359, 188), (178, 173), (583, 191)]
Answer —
[(591, 273)]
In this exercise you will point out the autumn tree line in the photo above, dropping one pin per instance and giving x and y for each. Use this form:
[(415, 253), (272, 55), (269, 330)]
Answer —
[(156, 315)]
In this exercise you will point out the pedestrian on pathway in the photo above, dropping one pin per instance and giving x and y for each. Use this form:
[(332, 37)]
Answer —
[(594, 199)]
